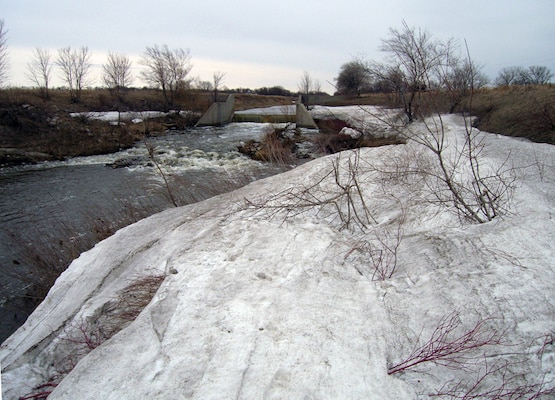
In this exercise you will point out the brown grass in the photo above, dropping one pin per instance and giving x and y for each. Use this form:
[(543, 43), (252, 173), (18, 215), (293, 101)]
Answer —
[(517, 111), (248, 101), (45, 253), (32, 129), (522, 111)]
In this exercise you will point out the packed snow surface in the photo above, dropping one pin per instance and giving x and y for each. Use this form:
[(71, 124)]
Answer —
[(271, 291)]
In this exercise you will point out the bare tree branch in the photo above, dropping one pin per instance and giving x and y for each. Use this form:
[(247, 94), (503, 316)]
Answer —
[(446, 347), (75, 66), (40, 71), (117, 71), (4, 62)]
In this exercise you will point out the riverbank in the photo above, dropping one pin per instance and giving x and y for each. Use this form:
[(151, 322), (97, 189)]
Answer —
[(44, 131), (33, 129)]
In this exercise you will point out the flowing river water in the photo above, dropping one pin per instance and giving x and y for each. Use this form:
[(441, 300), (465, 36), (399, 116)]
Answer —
[(55, 207)]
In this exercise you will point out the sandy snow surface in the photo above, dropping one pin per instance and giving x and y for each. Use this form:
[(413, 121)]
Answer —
[(264, 302)]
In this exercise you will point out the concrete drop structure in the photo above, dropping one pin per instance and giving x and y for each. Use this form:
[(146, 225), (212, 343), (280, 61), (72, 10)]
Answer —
[(303, 117), (219, 113)]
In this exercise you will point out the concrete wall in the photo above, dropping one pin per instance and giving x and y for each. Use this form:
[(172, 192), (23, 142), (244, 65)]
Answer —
[(219, 113), (304, 119)]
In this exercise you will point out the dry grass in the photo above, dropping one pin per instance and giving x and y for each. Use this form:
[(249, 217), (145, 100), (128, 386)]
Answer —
[(83, 335), (522, 111), (128, 304), (277, 146), (248, 101), (26, 121), (517, 111)]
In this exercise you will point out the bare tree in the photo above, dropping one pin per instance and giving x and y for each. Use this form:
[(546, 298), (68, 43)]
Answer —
[(166, 69), (218, 78), (508, 76), (534, 75), (414, 65), (459, 176), (117, 71), (205, 86), (39, 71), (317, 86), (539, 75), (460, 79), (75, 66), (3, 53), (306, 85)]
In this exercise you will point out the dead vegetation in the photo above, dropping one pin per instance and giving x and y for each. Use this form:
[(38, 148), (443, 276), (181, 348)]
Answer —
[(48, 250), (336, 196), (522, 111), (488, 374), (83, 335), (32, 129), (526, 111)]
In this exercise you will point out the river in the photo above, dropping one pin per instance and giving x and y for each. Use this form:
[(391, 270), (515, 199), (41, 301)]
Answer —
[(51, 211)]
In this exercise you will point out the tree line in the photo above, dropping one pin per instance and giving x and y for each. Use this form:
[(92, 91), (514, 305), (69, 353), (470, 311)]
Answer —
[(402, 72), (164, 68), (357, 76)]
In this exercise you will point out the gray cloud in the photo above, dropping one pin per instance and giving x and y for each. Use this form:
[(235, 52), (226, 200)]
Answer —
[(287, 36)]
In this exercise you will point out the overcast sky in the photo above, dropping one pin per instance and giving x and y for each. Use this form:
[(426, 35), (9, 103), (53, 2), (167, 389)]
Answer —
[(266, 43)]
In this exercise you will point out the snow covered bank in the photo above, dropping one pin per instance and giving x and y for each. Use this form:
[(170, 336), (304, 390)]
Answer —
[(115, 116), (260, 301)]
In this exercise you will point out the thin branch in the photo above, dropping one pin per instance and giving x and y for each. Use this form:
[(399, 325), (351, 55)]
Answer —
[(445, 348)]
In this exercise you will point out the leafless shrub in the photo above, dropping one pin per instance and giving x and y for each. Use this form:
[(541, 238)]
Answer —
[(543, 163), (447, 348), (547, 340), (128, 303), (151, 149), (496, 382), (401, 167), (337, 194), (79, 339), (461, 176), (486, 194), (40, 392), (276, 146), (379, 250), (83, 335)]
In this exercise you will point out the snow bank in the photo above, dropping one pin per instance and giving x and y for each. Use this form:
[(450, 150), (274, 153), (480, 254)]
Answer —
[(262, 304), (115, 116), (366, 119), (273, 110)]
